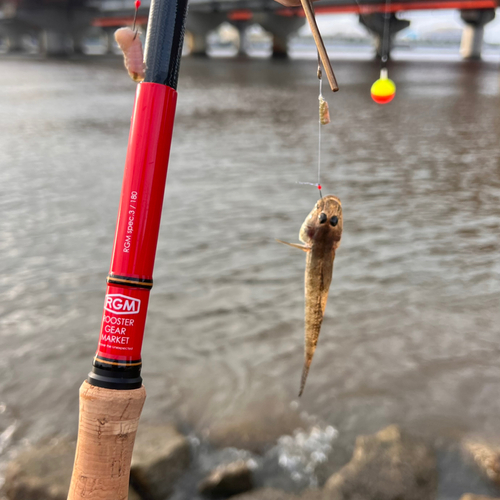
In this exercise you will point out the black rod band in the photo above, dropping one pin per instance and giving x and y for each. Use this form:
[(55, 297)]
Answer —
[(114, 362), (165, 36), (115, 279), (115, 374), (118, 380)]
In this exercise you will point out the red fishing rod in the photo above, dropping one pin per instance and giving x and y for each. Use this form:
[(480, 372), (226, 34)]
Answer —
[(112, 397)]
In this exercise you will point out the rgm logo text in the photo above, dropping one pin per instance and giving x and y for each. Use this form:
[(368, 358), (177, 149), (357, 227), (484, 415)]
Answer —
[(121, 304)]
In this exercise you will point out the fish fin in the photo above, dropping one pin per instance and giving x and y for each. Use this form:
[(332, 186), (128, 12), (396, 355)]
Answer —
[(305, 371), (306, 248)]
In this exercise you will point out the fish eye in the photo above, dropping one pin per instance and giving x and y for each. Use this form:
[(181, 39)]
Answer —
[(334, 220), (322, 218)]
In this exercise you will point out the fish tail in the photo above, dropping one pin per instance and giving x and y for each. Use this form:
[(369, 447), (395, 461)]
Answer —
[(305, 372)]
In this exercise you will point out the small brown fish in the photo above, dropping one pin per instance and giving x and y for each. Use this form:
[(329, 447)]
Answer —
[(320, 233)]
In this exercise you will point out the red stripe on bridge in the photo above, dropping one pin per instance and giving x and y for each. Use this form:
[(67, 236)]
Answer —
[(396, 7), (240, 15), (109, 22)]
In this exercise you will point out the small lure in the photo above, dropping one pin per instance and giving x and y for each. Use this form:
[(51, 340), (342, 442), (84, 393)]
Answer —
[(324, 113), (131, 46), (321, 233)]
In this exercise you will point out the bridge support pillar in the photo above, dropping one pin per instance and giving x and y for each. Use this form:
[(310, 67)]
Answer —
[(56, 25), (78, 38), (375, 24), (12, 36), (110, 40), (55, 43), (472, 36), (241, 26), (281, 28), (198, 26), (15, 41)]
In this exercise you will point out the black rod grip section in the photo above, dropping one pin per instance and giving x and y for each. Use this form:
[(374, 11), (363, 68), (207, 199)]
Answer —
[(165, 36)]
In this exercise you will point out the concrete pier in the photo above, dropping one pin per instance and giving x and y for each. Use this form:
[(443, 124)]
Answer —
[(61, 25), (472, 36), (55, 43), (12, 38), (375, 24), (111, 46), (242, 27), (198, 26), (59, 29), (281, 28)]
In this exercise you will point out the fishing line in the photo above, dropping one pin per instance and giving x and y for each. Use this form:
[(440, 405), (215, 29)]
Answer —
[(385, 32), (319, 126), (384, 50), (323, 65), (383, 90), (324, 118)]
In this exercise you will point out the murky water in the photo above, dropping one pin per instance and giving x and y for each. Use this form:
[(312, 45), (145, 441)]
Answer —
[(411, 333)]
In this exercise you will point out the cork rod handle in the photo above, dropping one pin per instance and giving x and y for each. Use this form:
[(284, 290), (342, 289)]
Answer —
[(106, 434)]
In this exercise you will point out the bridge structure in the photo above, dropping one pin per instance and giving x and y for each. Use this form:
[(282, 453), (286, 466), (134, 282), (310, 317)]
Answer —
[(60, 25)]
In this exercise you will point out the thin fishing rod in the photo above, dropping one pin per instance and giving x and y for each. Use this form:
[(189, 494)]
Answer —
[(309, 12)]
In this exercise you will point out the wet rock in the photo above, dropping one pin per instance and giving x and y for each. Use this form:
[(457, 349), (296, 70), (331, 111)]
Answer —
[(161, 454), (132, 495), (227, 480), (274, 494), (42, 472), (386, 466), (266, 494), (312, 495), (487, 457), (254, 428), (470, 496)]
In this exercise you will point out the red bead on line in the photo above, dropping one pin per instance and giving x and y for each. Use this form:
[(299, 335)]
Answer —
[(319, 186), (137, 4)]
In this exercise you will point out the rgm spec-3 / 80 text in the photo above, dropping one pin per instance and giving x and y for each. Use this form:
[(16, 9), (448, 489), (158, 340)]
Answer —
[(130, 222)]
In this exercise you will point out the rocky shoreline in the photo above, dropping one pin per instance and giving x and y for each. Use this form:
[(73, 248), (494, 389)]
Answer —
[(388, 465)]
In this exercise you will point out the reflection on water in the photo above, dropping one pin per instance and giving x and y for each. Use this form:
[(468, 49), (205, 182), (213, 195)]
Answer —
[(411, 328)]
